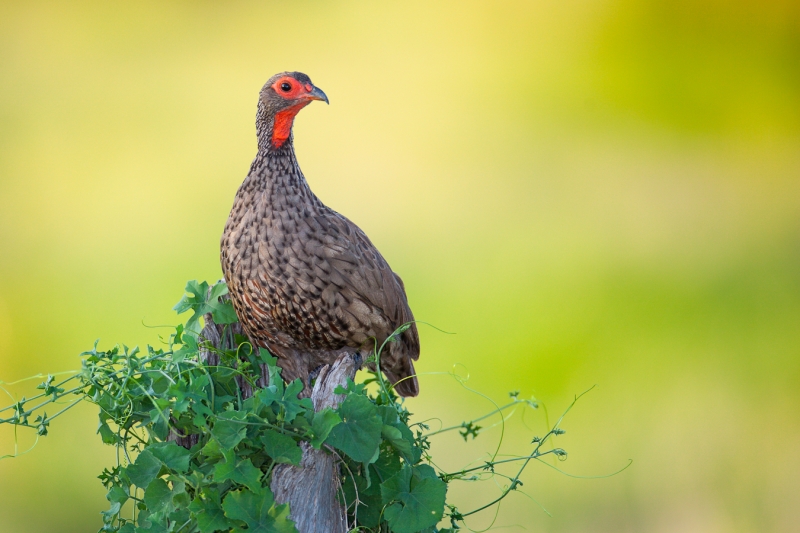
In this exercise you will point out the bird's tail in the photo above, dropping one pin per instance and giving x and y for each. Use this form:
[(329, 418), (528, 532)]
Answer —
[(403, 377)]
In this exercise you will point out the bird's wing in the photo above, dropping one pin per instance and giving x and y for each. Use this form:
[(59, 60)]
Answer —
[(376, 298)]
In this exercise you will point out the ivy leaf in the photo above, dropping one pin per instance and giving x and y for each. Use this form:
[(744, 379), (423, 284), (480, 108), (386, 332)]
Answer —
[(198, 299), (415, 499), (202, 414), (189, 347), (117, 494), (112, 513), (180, 498), (242, 472), (324, 421), (271, 394), (387, 465), (368, 496), (350, 388), (160, 421), (285, 397), (267, 358), (402, 442), (219, 289), (108, 436), (359, 434), (282, 448), (209, 514), (292, 405), (151, 523), (222, 312), (143, 470), (158, 496), (194, 299), (393, 436), (211, 449), (171, 455), (229, 429), (258, 511)]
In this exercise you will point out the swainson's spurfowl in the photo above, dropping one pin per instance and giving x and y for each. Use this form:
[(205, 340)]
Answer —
[(307, 283)]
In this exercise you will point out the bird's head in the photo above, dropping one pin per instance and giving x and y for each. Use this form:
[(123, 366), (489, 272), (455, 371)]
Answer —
[(281, 98)]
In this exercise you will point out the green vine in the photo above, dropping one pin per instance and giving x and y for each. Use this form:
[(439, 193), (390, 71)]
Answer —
[(222, 482)]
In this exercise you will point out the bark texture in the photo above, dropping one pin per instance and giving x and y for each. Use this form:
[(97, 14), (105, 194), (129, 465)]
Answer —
[(310, 489)]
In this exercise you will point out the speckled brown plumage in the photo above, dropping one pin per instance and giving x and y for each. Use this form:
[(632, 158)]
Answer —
[(305, 281)]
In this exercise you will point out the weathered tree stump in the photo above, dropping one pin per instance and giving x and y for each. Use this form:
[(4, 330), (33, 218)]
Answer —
[(310, 489)]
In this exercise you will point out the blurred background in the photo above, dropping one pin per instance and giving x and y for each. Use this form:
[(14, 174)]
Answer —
[(584, 192)]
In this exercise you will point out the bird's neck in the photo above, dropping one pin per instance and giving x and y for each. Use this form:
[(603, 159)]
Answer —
[(276, 174), (274, 128)]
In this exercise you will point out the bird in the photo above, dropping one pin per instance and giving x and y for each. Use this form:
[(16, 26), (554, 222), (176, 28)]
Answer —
[(306, 283)]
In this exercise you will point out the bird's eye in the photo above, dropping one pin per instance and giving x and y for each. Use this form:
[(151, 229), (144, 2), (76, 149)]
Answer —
[(286, 87)]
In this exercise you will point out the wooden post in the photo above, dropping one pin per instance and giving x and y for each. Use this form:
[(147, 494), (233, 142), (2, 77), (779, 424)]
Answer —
[(311, 488)]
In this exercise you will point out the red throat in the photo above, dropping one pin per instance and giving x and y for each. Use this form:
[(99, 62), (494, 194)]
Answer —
[(283, 123)]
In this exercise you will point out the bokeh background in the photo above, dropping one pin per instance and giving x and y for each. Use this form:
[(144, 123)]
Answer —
[(585, 192)]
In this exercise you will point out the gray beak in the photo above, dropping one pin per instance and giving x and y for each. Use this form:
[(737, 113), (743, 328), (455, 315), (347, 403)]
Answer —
[(317, 94)]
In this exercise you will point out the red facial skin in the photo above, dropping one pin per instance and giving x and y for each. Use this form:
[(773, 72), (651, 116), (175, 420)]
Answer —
[(285, 118)]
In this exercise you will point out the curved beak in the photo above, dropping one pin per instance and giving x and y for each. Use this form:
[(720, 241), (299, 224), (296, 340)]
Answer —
[(317, 94)]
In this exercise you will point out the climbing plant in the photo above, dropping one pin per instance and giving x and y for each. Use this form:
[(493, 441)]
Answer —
[(222, 482)]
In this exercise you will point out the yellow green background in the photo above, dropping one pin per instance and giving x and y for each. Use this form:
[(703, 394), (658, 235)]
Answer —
[(585, 192)]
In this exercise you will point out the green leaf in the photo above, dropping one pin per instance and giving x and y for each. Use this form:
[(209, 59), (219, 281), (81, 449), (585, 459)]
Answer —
[(111, 514), (195, 300), (180, 498), (387, 465), (285, 397), (198, 299), (393, 436), (242, 472), (267, 358), (368, 496), (188, 349), (178, 333), (209, 514), (359, 434), (282, 448), (158, 496), (160, 421), (258, 511), (151, 523), (350, 388), (211, 449), (219, 289), (324, 421), (202, 414), (415, 499), (223, 313), (117, 494), (229, 428), (108, 436), (171, 455), (144, 469), (292, 405)]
